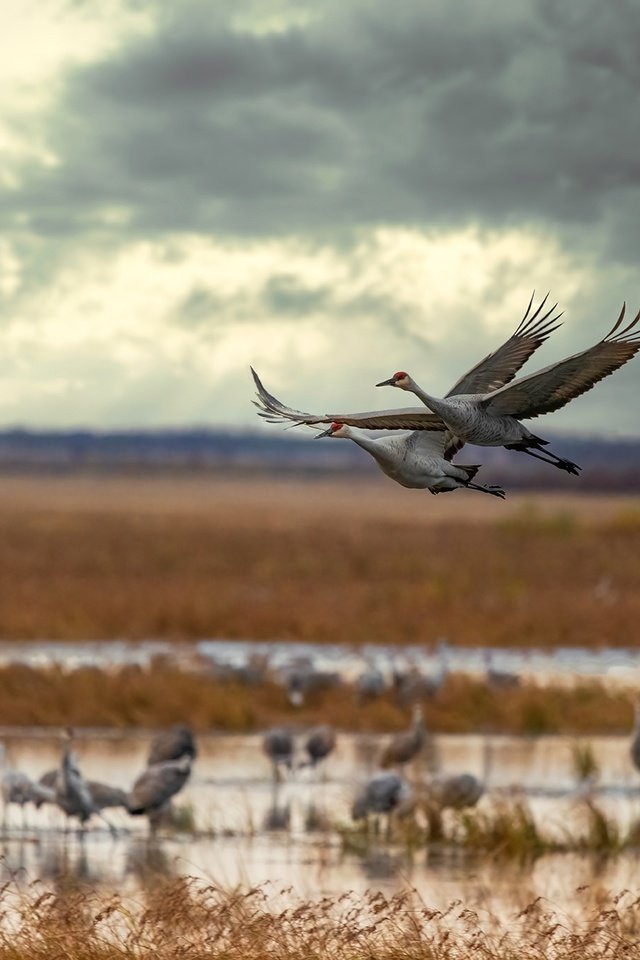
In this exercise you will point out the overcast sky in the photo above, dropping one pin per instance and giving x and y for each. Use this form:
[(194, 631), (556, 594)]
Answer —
[(330, 191)]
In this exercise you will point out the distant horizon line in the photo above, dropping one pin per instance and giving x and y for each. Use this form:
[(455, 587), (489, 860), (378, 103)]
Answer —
[(248, 430)]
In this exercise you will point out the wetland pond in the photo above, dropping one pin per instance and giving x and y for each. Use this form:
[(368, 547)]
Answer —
[(246, 831)]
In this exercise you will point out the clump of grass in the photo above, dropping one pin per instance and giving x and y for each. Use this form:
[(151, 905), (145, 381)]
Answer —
[(585, 765), (602, 834), (507, 829), (504, 828), (183, 818), (184, 918)]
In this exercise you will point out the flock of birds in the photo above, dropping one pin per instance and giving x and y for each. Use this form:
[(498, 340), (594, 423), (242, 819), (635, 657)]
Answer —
[(169, 763), (168, 768), (172, 752), (484, 407), (388, 791)]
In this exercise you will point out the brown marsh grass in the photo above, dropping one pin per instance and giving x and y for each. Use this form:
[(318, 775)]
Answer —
[(182, 557), (161, 695), (188, 919), (502, 827)]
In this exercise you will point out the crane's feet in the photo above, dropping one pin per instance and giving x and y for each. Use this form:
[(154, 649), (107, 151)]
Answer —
[(493, 491), (569, 466), (538, 451)]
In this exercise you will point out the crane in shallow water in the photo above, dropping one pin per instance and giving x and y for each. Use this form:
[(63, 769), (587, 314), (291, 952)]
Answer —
[(319, 744), (172, 744), (20, 789), (492, 418), (278, 745), (152, 792), (71, 790), (385, 793), (402, 748), (456, 791), (103, 795)]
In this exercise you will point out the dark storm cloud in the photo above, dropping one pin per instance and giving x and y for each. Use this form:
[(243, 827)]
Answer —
[(406, 113)]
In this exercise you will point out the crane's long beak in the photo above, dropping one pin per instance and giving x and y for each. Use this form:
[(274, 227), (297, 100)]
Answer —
[(387, 383), (325, 433)]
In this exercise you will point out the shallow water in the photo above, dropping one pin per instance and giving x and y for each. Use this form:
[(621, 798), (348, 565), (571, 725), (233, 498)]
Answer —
[(613, 666), (256, 833)]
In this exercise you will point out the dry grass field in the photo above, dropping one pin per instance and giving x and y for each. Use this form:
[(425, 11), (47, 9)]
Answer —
[(132, 697), (186, 919), (183, 556)]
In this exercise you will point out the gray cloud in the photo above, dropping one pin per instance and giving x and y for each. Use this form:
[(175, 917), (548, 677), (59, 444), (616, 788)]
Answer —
[(425, 114), (288, 299)]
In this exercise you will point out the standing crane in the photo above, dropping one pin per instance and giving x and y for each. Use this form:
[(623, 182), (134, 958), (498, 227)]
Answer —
[(319, 744), (154, 788), (172, 744), (492, 418), (456, 792), (385, 793), (102, 794), (277, 744), (402, 748), (71, 790), (20, 789)]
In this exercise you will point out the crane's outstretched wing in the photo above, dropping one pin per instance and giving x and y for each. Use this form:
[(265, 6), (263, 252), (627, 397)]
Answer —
[(501, 366), (435, 443), (554, 386), (410, 418)]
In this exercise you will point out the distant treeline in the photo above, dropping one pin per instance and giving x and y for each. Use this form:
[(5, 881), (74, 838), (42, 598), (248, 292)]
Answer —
[(608, 464)]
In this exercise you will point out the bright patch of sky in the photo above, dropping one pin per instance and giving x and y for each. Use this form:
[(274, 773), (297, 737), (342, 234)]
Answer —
[(326, 197)]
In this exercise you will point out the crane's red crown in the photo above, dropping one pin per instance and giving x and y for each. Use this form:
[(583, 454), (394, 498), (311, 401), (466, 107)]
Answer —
[(336, 425), (400, 375)]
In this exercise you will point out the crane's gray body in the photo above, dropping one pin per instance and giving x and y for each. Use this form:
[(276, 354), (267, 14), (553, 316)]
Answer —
[(320, 743), (456, 792), (172, 744), (384, 793), (404, 747), (154, 788)]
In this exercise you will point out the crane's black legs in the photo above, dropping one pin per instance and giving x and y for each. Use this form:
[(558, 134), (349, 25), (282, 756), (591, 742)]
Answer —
[(551, 458), (493, 491)]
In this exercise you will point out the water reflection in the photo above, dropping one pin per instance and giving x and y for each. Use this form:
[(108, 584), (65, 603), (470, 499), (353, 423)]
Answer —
[(277, 816), (249, 830)]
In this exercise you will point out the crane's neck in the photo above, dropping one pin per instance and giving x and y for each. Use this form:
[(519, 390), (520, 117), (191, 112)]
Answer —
[(435, 404), (375, 447), (418, 725), (67, 763)]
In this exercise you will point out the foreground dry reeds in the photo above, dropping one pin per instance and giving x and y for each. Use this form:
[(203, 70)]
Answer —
[(150, 557), (162, 695), (185, 919)]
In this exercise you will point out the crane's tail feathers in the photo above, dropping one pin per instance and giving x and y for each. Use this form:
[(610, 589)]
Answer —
[(493, 491)]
